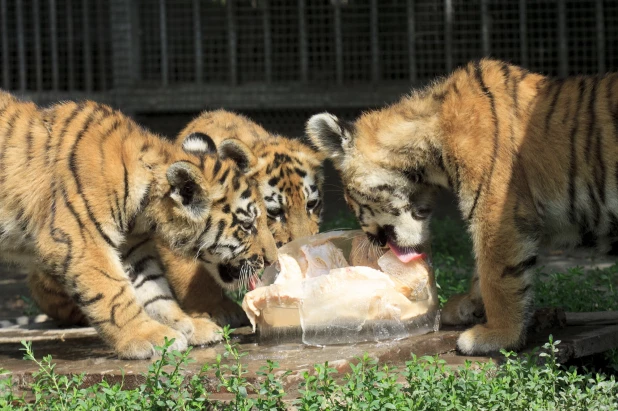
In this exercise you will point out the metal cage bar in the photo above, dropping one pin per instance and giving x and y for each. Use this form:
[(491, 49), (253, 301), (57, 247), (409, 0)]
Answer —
[(6, 79), (268, 50), (338, 42), (375, 42), (21, 44), (70, 57), (302, 42), (448, 34), (562, 39), (53, 34), (600, 27), (38, 58), (232, 34), (197, 41), (523, 33), (412, 69), (485, 26), (165, 74), (87, 46)]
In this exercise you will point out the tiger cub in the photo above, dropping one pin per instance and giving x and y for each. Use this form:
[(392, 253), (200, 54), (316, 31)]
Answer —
[(529, 157), (289, 176), (80, 182)]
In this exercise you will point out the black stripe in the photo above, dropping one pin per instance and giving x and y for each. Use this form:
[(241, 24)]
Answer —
[(76, 178), (596, 208), (220, 228), (120, 220), (134, 248), (84, 303), (224, 176), (573, 167), (139, 266), (522, 292), (479, 76), (610, 104), (8, 134), (147, 278), (158, 298), (126, 186), (69, 205), (599, 176), (65, 125), (106, 275), (591, 117), (59, 236), (29, 141), (552, 105)]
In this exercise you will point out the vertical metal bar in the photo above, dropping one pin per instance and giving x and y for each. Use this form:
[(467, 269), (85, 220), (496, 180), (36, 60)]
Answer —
[(412, 43), (102, 60), (21, 44), (86, 44), (562, 39), (375, 42), (163, 33), (232, 39), (600, 20), (70, 56), (485, 26), (38, 58), (448, 34), (523, 33), (338, 43), (6, 80), (197, 39), (53, 34), (268, 51), (302, 40)]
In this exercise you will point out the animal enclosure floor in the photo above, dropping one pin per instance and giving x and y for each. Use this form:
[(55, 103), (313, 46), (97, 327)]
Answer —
[(79, 350)]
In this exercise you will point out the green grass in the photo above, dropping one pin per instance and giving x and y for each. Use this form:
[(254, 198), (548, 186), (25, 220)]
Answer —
[(426, 383)]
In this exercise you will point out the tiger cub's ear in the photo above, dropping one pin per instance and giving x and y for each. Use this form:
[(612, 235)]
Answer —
[(199, 144), (240, 153), (186, 190), (329, 135)]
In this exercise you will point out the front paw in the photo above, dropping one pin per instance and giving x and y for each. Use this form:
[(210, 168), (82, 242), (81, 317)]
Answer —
[(461, 309), (205, 332), (228, 312), (483, 340), (138, 344)]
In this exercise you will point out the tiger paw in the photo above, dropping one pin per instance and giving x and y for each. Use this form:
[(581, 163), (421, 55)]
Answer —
[(205, 332), (227, 312), (461, 309), (481, 339), (138, 344)]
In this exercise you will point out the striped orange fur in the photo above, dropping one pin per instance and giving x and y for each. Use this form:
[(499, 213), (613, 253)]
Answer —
[(530, 158), (82, 185), (289, 176)]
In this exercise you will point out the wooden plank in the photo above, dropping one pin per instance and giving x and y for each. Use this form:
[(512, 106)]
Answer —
[(592, 318)]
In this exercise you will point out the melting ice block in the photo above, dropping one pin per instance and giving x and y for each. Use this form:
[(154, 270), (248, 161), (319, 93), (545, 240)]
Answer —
[(315, 291)]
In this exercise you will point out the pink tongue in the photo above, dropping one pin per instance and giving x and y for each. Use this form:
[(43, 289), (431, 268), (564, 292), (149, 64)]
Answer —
[(252, 282), (405, 255)]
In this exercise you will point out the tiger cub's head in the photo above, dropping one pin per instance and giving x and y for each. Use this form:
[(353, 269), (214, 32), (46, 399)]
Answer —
[(214, 213), (390, 169), (290, 179)]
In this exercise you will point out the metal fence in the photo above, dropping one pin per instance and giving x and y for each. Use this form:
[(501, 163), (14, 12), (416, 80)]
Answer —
[(186, 55)]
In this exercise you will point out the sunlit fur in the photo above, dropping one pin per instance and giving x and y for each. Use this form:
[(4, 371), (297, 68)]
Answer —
[(79, 183), (289, 176), (530, 158)]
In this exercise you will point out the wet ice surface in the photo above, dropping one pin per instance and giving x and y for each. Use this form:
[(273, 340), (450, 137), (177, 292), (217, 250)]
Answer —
[(315, 297)]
